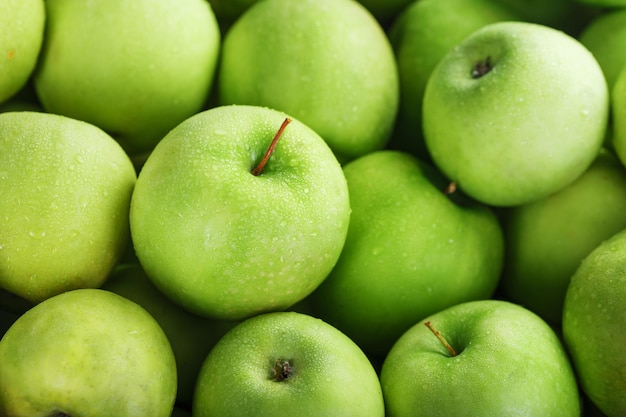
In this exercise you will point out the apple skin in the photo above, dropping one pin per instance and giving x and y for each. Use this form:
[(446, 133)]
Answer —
[(605, 36), (411, 250), (594, 318), (66, 188), (496, 136), (421, 36), (509, 362), (328, 63), (22, 24), (134, 69), (190, 336), (330, 375), (546, 240), (86, 352), (224, 243), (617, 139)]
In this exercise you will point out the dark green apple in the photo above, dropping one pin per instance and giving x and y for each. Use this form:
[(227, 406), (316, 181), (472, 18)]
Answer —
[(287, 363), (546, 240), (228, 241), (327, 63), (66, 187), (135, 69), (86, 352), (594, 319), (490, 120), (412, 249), (480, 358)]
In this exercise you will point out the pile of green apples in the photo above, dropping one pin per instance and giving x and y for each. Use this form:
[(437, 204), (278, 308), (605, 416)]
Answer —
[(324, 208)]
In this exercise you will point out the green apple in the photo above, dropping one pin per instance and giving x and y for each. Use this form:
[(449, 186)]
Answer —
[(135, 69), (328, 63), (421, 36), (190, 336), (490, 114), (605, 37), (594, 319), (617, 139), (546, 240), (227, 242), (22, 24), (287, 363), (412, 249), (66, 188), (86, 352), (480, 358)]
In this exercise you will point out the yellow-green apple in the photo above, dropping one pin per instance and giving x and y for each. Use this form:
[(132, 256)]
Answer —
[(287, 362), (546, 240), (22, 24), (594, 319), (228, 233), (412, 249), (86, 352), (480, 358), (605, 37), (135, 69), (490, 121), (66, 187), (190, 336), (421, 36), (327, 63)]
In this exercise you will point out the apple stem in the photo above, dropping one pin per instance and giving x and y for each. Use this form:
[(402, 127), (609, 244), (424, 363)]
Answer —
[(442, 339), (259, 168), (450, 188)]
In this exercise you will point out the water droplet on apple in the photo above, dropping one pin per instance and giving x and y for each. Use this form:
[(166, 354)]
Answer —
[(584, 112), (376, 251), (220, 132)]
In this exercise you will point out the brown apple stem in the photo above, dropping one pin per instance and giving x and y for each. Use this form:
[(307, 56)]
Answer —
[(259, 168), (442, 339), (451, 188)]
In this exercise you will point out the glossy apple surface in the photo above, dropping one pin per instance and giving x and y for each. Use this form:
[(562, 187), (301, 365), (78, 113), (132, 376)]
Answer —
[(86, 352), (411, 250), (327, 63), (546, 240), (421, 36), (134, 69), (276, 362), (508, 362), (66, 188), (490, 119), (22, 25), (594, 319), (228, 244)]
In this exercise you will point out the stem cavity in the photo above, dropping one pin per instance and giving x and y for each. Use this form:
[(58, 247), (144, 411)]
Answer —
[(442, 339), (258, 170)]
